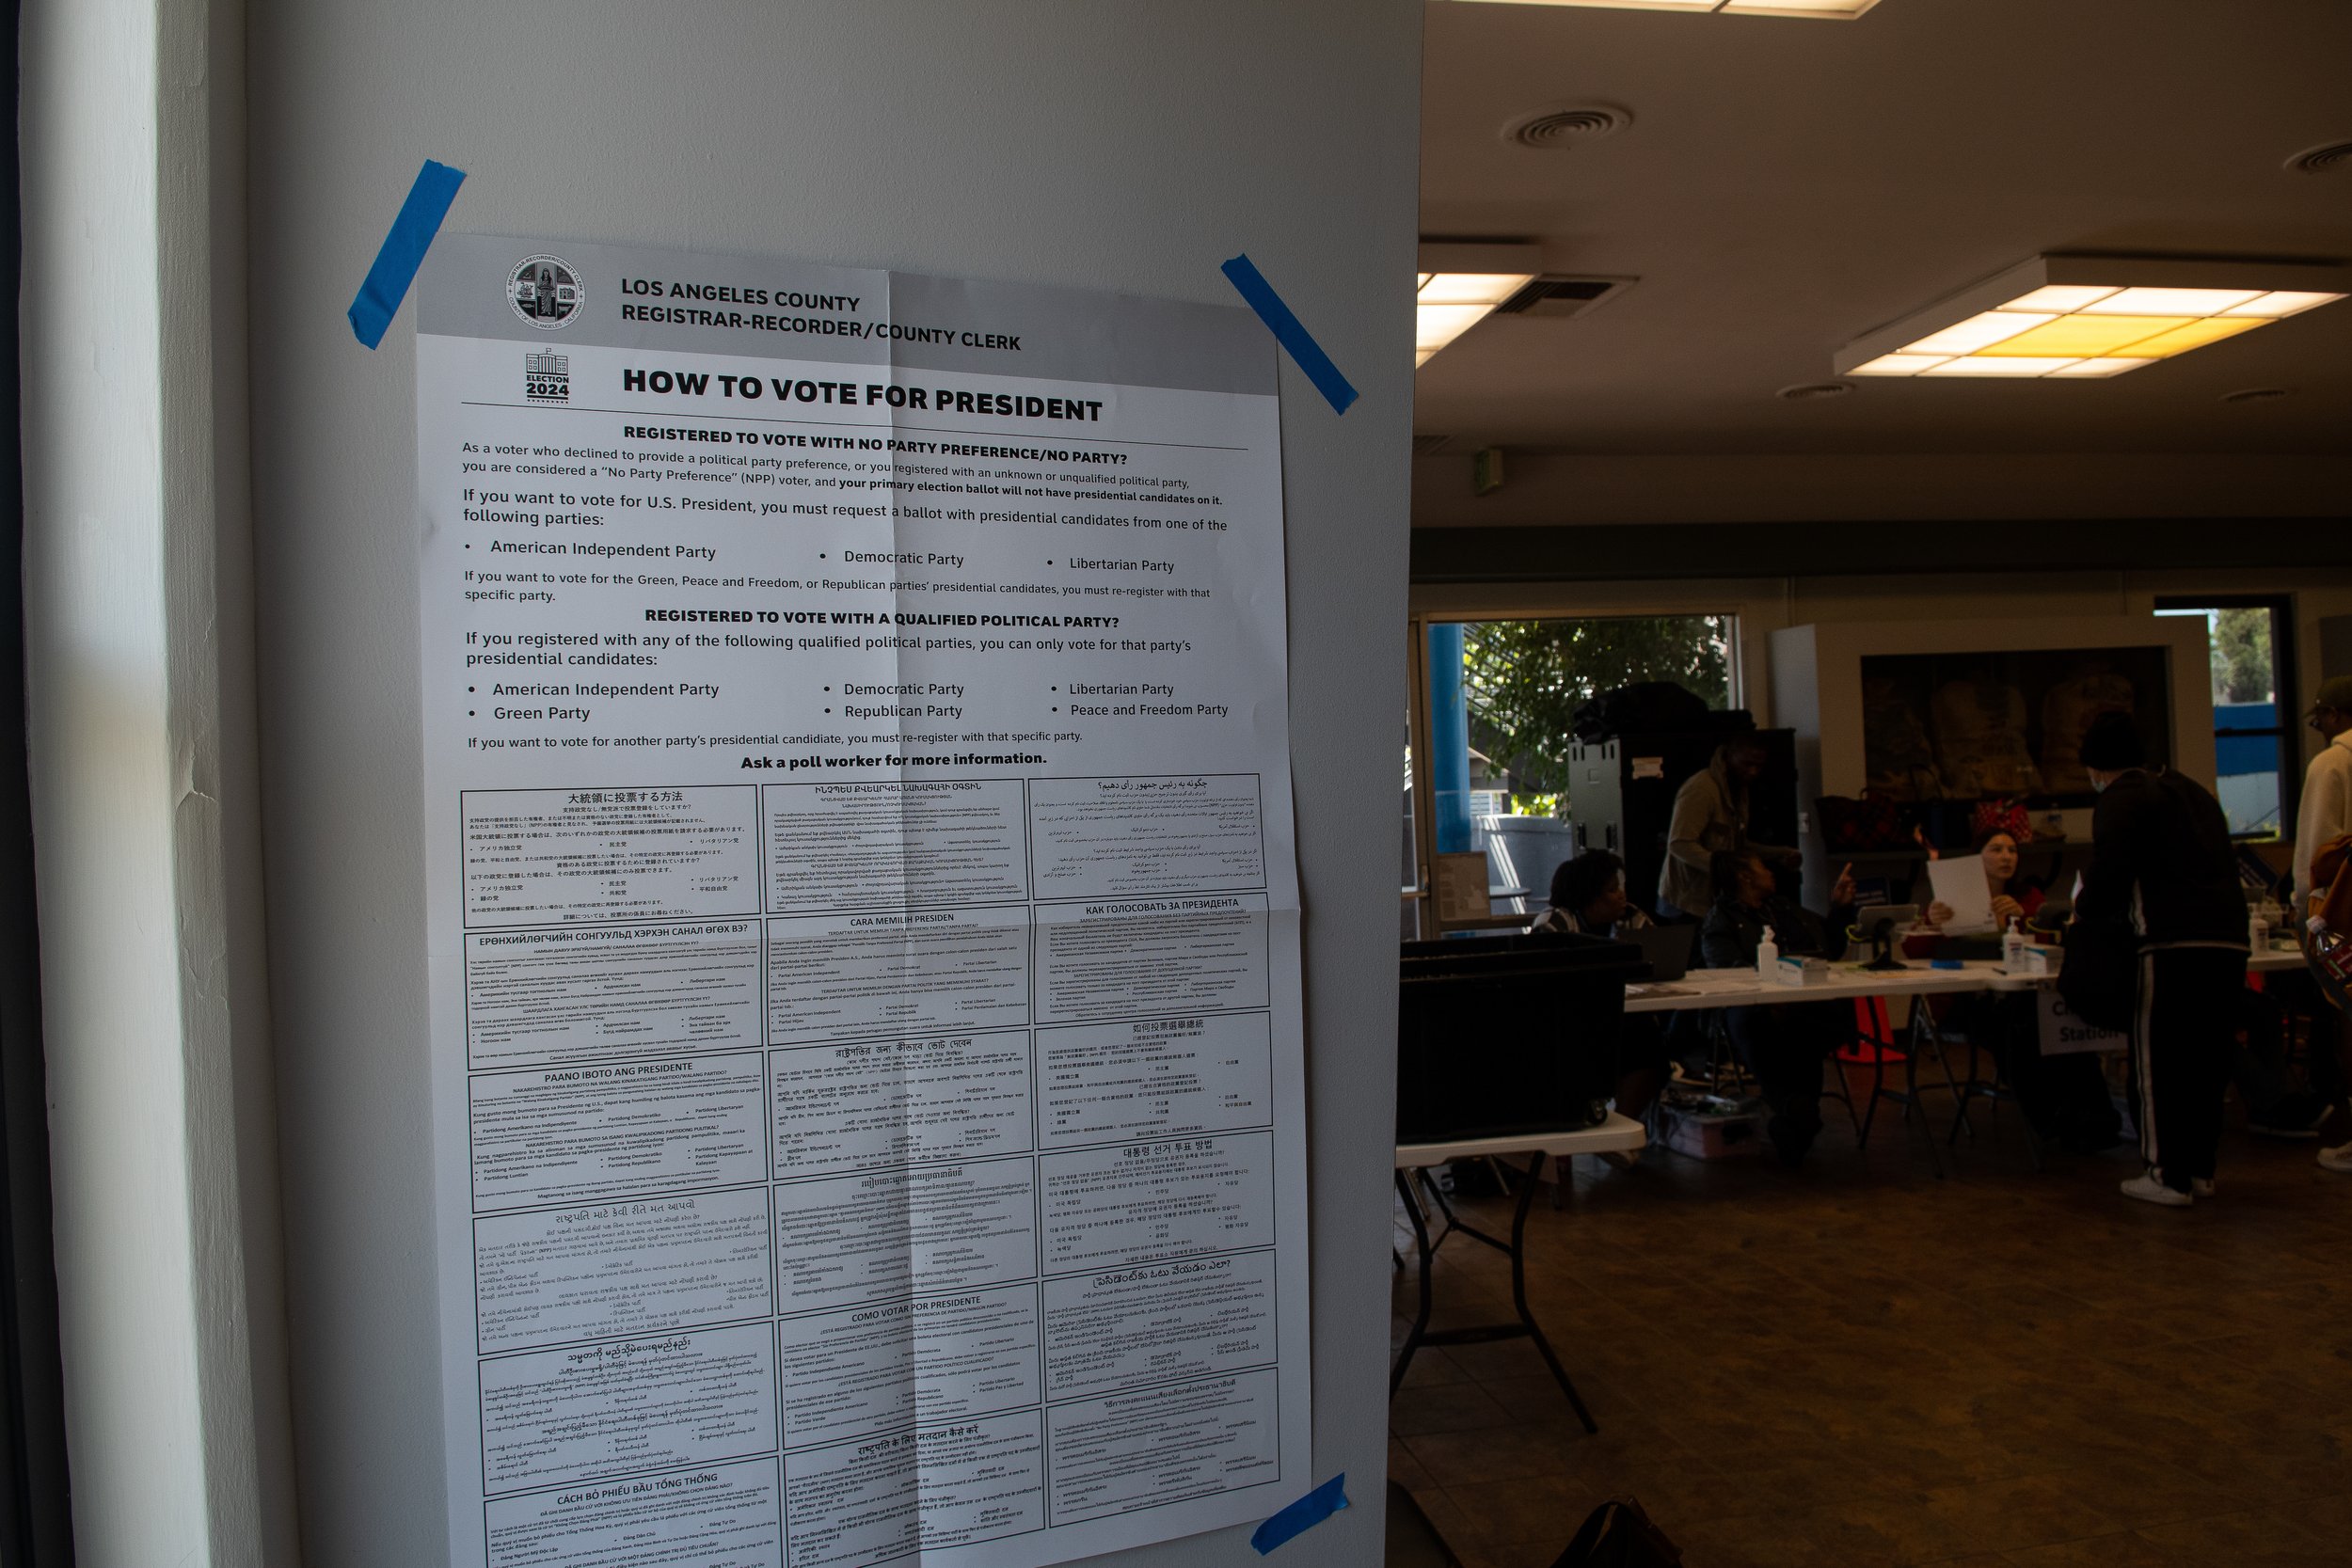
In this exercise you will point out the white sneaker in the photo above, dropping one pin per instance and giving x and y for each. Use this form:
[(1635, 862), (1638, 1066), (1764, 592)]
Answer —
[(2338, 1159), (2150, 1188), (2200, 1186)]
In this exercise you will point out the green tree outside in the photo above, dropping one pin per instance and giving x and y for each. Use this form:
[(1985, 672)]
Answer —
[(2241, 655), (1524, 680)]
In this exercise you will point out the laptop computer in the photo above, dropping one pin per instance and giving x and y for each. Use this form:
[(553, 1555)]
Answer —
[(1667, 948)]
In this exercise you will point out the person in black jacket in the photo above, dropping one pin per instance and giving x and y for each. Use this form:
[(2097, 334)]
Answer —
[(1782, 1044), (2161, 858)]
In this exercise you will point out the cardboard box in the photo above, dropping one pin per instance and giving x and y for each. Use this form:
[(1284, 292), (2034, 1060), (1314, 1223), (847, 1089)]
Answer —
[(1704, 1137)]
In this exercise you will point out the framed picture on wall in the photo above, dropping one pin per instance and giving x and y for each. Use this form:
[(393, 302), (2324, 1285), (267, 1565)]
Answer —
[(1969, 726)]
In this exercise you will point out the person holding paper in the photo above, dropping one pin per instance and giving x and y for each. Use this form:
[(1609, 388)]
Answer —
[(1781, 1045), (2006, 897), (2064, 1097), (2161, 858)]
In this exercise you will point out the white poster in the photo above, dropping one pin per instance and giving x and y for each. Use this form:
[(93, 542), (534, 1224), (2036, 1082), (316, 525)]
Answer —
[(2065, 1035), (869, 1104)]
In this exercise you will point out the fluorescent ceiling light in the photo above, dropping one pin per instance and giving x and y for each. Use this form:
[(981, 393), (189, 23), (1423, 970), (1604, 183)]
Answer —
[(1898, 364), (2076, 318), (2098, 368), (1833, 10), (1986, 364), (2281, 302), (2171, 302), (1460, 283), (1979, 332)]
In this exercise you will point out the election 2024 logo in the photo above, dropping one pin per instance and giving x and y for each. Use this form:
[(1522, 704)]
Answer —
[(544, 291), (547, 377)]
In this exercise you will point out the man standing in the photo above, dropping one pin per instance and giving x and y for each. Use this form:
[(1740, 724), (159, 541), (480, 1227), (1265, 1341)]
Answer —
[(2161, 858), (2327, 815), (1711, 819)]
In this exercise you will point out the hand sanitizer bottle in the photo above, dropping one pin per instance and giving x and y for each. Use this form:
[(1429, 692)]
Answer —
[(2013, 948), (1768, 957), (2257, 931)]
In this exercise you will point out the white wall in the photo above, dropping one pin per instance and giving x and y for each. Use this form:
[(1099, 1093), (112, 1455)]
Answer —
[(139, 691), (1129, 146)]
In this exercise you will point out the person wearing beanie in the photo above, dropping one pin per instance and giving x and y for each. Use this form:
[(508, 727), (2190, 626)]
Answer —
[(2327, 815), (2161, 858)]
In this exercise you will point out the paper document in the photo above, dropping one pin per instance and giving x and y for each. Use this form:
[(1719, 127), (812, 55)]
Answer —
[(1958, 883), (862, 914)]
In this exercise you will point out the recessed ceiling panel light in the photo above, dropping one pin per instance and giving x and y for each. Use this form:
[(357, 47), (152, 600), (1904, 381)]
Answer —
[(1631, 4), (2169, 302), (1798, 8), (2058, 296), (2085, 370), (1459, 283), (1898, 364), (2092, 317), (1489, 289), (2069, 335), (2164, 345), (2281, 302), (1977, 364), (1978, 331)]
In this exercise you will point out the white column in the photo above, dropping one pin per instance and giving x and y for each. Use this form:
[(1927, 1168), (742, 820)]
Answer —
[(140, 683)]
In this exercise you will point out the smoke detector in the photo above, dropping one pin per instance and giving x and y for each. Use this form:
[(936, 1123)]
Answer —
[(1567, 127), (2325, 159), (1555, 296), (1813, 391)]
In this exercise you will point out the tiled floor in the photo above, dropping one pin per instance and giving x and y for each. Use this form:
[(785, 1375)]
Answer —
[(1856, 1366)]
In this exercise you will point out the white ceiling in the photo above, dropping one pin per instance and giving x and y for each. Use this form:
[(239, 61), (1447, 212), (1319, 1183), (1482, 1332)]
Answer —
[(1786, 185)]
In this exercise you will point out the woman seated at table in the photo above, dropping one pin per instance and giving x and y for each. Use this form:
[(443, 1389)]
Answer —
[(1781, 1045), (2013, 897), (2064, 1097), (1588, 899)]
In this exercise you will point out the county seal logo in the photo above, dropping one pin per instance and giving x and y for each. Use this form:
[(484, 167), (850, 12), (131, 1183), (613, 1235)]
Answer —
[(544, 291)]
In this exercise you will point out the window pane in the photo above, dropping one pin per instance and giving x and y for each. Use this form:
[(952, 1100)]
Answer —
[(2242, 668), (1503, 703), (2250, 800)]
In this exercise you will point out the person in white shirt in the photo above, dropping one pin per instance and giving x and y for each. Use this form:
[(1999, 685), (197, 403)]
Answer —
[(2327, 814)]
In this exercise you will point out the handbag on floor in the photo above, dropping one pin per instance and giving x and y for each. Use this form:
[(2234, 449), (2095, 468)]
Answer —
[(1618, 1534)]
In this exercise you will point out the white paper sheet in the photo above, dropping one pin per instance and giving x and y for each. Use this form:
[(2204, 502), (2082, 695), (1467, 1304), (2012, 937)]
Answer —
[(864, 922), (1958, 883)]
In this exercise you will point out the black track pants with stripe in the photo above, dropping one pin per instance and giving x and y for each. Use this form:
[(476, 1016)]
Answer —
[(2181, 1043)]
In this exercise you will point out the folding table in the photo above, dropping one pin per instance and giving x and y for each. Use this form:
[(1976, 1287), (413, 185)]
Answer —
[(1619, 1134)]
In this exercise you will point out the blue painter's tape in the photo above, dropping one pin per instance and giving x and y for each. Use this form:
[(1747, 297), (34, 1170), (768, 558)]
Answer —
[(1328, 1498), (1294, 338), (402, 252)]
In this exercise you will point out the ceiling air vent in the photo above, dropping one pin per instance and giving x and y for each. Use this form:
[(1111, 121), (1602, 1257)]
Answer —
[(1559, 130), (2323, 160), (1809, 391), (1429, 446), (2255, 394), (1554, 296)]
